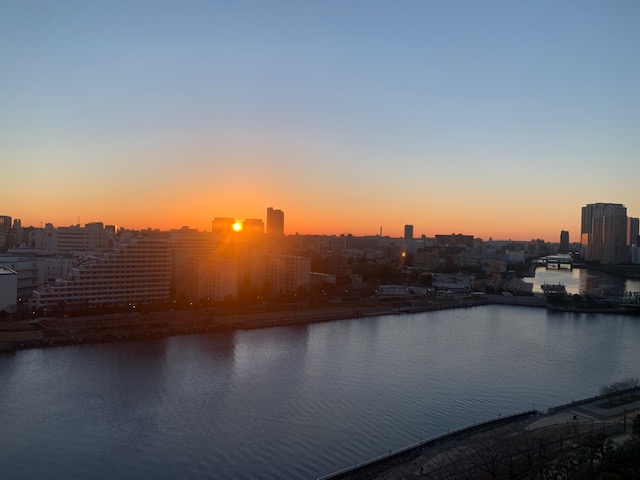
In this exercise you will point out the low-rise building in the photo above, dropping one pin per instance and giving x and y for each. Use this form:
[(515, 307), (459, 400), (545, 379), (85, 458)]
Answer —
[(31, 272)]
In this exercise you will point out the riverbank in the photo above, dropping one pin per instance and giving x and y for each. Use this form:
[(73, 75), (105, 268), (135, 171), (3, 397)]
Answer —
[(60, 331), (505, 447), (51, 332)]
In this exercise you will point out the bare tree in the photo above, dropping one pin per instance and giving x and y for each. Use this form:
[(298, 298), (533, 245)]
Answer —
[(489, 454)]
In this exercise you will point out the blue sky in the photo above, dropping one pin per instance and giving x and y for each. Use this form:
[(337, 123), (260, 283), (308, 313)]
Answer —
[(454, 116)]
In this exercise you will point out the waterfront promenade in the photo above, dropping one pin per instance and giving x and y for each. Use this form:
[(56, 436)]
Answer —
[(504, 447)]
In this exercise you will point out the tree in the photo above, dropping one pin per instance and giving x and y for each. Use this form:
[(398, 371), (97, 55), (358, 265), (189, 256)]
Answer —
[(635, 427), (616, 387)]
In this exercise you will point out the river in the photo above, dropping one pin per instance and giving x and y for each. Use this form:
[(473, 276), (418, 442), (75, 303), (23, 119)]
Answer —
[(294, 402), (580, 280)]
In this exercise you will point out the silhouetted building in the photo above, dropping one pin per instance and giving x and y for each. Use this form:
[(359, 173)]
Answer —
[(275, 222), (223, 227), (253, 227), (408, 232), (455, 240), (604, 233), (564, 241), (5, 223), (633, 233)]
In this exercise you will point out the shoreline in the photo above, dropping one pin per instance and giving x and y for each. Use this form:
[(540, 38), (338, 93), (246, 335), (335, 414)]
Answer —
[(52, 332), (56, 331), (567, 423)]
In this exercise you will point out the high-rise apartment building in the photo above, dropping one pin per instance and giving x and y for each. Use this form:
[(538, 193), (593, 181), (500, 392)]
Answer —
[(275, 222), (604, 233), (408, 232), (285, 273), (564, 241), (137, 272), (633, 231)]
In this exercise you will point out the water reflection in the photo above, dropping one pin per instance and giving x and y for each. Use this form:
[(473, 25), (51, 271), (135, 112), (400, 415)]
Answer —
[(294, 402), (581, 280)]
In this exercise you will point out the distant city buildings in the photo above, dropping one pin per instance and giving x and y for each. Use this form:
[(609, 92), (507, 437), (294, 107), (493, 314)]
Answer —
[(604, 233), (455, 240), (52, 269)]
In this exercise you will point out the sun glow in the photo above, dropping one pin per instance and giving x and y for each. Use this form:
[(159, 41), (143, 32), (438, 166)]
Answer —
[(237, 227)]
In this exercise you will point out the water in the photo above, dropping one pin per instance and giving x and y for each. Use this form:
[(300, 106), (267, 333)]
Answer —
[(294, 402), (580, 280)]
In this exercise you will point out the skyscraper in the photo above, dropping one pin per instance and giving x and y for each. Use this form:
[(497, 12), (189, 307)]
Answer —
[(633, 231), (408, 232), (564, 241), (604, 233), (275, 222)]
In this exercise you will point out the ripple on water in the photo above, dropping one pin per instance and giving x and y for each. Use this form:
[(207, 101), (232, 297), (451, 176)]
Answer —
[(295, 402)]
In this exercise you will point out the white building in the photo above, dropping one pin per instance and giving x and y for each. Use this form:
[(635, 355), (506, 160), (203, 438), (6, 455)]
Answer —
[(136, 272), (31, 273)]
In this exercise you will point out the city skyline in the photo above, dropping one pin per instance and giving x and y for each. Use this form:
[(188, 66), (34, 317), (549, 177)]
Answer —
[(496, 120)]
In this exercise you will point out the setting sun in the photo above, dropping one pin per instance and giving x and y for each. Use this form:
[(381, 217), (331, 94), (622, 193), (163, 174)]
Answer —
[(237, 227)]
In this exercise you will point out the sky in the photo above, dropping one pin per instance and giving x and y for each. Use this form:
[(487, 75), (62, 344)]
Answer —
[(498, 119)]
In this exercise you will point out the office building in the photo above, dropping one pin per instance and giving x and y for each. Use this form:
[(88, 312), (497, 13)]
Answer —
[(604, 233), (275, 222), (90, 238)]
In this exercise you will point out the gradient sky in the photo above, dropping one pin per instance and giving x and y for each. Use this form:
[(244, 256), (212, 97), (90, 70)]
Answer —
[(490, 118)]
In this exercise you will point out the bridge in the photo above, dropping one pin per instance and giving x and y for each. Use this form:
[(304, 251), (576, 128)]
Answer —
[(558, 261)]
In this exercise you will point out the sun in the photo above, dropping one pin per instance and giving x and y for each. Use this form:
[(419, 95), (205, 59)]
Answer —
[(237, 227)]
